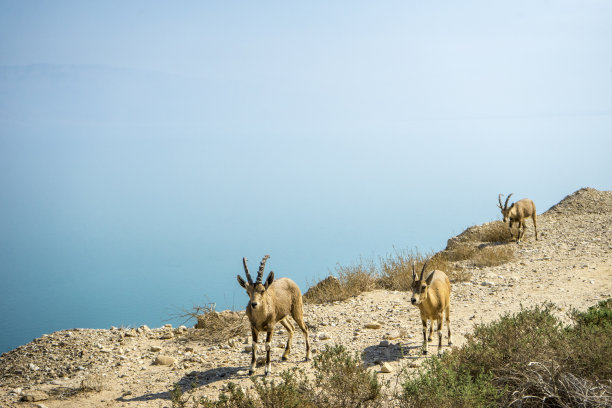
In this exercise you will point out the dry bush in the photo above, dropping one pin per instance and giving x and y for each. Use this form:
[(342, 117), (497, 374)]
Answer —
[(327, 290), (396, 270), (546, 384), (393, 272), (496, 231), (93, 382), (493, 255), (350, 281), (480, 246), (214, 327)]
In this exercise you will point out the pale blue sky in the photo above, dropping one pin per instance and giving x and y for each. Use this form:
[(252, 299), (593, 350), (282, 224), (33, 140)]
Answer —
[(145, 147)]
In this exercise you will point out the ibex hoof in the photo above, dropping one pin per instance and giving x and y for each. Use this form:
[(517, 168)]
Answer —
[(424, 352), (284, 358), (268, 373), (251, 372)]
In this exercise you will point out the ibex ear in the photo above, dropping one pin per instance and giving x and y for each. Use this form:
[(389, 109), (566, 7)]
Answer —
[(269, 280), (241, 281)]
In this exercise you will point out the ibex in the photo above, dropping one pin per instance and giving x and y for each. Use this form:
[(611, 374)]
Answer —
[(518, 212), (272, 302), (432, 296)]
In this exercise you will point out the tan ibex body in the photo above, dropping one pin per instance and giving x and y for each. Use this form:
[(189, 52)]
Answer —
[(432, 296), (270, 303), (518, 212)]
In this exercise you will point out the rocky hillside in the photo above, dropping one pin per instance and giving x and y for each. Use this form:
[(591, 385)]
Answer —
[(570, 265)]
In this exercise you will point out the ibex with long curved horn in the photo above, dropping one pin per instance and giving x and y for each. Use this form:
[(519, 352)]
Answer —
[(270, 303), (518, 212), (432, 296)]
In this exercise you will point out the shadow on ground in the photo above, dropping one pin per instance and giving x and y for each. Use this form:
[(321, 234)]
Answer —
[(194, 379)]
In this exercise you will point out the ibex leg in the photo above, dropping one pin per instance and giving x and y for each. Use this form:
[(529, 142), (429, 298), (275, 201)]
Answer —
[(439, 330), (269, 350), (424, 335), (255, 334), (448, 325), (287, 324)]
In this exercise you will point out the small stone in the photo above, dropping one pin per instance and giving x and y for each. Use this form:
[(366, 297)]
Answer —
[(324, 336), (167, 326), (248, 348), (167, 336), (155, 349), (386, 368), (396, 334), (33, 367), (373, 325), (33, 396), (384, 343), (163, 360)]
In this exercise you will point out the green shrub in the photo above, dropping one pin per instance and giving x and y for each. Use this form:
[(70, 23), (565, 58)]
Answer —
[(439, 385), (341, 380), (291, 392)]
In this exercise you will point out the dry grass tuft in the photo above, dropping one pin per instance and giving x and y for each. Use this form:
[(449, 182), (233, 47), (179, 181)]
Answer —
[(480, 246), (350, 281), (93, 382), (218, 327), (541, 384)]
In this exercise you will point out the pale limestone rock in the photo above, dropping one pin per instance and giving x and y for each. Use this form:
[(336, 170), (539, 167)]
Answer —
[(164, 360)]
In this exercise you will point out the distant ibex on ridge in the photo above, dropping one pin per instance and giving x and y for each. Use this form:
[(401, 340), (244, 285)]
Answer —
[(518, 212), (432, 296), (269, 303)]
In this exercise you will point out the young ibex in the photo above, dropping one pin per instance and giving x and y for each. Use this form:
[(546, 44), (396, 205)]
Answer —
[(272, 302), (518, 212), (432, 296)]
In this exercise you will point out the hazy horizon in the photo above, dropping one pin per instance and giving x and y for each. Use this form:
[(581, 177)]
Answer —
[(145, 148)]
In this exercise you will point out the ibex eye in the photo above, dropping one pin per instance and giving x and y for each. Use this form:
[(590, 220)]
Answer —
[(423, 289)]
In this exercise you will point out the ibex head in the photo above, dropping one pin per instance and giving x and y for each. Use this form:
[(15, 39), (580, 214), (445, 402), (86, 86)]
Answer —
[(504, 209), (419, 286), (257, 290)]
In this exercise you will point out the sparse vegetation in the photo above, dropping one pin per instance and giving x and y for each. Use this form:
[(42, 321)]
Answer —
[(340, 380), (93, 382), (217, 327), (528, 359)]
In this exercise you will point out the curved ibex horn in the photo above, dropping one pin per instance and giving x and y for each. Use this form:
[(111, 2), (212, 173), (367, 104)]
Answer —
[(246, 271), (506, 205), (499, 199), (423, 270), (413, 270), (262, 265)]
